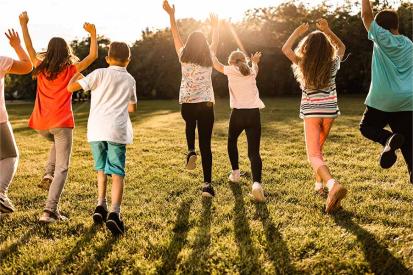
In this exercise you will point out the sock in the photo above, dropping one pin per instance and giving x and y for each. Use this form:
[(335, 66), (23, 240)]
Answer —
[(236, 172), (102, 202), (318, 186), (191, 151), (8, 168), (115, 208), (256, 182), (330, 184)]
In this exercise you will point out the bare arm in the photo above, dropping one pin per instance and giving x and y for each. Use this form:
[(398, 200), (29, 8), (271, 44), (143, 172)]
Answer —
[(287, 49), (174, 27), (24, 20), (93, 50), (367, 14), (215, 32), (217, 65), (132, 107), (23, 65), (73, 85), (322, 25), (256, 59)]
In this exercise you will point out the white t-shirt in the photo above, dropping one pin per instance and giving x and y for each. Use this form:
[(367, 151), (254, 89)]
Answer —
[(112, 89), (196, 83), (243, 90), (5, 65)]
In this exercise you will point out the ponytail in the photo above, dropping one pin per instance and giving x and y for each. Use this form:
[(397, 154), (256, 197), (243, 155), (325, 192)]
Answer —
[(243, 67)]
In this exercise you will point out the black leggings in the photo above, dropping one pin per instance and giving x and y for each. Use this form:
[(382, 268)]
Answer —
[(372, 127), (250, 121), (201, 114)]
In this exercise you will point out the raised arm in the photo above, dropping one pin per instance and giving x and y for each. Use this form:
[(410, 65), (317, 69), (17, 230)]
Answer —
[(287, 49), (24, 20), (255, 59), (174, 27), (93, 50), (23, 65), (217, 65), (367, 14), (215, 32), (323, 26)]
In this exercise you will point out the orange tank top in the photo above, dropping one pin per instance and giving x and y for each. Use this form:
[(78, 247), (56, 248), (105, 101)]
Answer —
[(53, 105)]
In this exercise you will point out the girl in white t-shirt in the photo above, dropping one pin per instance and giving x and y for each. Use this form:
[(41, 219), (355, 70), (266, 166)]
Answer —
[(245, 103), (196, 94), (9, 154)]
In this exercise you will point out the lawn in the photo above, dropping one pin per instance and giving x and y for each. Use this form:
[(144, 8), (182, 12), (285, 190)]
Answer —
[(171, 229)]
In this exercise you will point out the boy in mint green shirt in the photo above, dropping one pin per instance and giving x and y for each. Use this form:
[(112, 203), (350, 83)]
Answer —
[(390, 99)]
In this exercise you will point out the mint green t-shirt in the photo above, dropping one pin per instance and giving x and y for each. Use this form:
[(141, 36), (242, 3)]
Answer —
[(391, 88)]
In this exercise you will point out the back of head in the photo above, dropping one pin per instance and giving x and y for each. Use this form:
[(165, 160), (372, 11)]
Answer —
[(316, 54), (239, 59), (119, 52), (196, 50), (57, 57), (388, 19)]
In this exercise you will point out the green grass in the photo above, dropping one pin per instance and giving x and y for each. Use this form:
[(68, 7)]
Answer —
[(171, 229)]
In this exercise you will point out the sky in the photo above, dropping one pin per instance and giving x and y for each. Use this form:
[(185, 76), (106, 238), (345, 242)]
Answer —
[(117, 19)]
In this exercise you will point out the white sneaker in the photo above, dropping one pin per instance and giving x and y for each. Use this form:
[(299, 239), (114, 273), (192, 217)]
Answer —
[(51, 217), (234, 177), (6, 206), (258, 192)]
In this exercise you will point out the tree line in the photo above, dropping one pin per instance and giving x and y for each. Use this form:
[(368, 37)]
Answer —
[(157, 72)]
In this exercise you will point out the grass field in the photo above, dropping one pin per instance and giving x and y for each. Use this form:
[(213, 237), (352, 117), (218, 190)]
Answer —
[(170, 228)]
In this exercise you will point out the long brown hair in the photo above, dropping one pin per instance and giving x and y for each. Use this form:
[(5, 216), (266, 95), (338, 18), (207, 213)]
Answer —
[(196, 50), (58, 56), (316, 55), (238, 58)]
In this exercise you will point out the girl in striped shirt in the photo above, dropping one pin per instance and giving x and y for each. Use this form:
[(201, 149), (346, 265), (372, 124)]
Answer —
[(315, 63)]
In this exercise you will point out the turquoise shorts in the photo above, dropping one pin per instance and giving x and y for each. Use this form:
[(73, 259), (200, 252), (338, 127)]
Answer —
[(109, 157)]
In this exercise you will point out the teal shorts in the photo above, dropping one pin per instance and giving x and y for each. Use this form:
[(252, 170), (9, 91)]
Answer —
[(109, 157)]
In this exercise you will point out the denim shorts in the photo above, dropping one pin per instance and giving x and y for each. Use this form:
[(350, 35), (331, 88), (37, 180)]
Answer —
[(109, 157)]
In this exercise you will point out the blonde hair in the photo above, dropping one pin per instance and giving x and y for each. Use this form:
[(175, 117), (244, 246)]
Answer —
[(316, 54), (239, 59)]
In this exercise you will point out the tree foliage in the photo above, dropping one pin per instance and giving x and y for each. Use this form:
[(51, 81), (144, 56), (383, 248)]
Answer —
[(157, 72)]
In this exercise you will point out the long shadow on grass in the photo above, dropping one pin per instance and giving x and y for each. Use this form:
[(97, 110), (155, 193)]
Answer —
[(99, 254), (75, 251), (14, 247), (247, 252), (380, 259), (181, 228), (202, 239), (276, 248)]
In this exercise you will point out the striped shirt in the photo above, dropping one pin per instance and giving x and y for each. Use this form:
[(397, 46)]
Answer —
[(321, 102)]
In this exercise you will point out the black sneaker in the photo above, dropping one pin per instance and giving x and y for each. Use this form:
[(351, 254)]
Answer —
[(388, 156), (191, 161), (100, 215), (115, 224), (208, 191)]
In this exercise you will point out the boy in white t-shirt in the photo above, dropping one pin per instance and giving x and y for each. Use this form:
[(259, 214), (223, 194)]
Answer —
[(9, 154), (113, 92)]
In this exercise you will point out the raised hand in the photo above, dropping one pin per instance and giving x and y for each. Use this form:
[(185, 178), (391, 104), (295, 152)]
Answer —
[(23, 18), (302, 29), (256, 57), (214, 20), (90, 28), (13, 37), (167, 7), (322, 25)]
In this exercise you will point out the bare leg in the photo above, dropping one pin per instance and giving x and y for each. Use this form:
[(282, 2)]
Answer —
[(102, 184), (326, 125), (117, 192)]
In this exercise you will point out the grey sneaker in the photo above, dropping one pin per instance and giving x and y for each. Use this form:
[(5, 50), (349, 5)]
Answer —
[(6, 206), (51, 217), (46, 182)]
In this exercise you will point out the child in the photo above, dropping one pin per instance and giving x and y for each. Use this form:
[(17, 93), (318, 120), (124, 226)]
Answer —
[(196, 94), (9, 154), (109, 128), (390, 100), (245, 103), (316, 62), (52, 116)]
